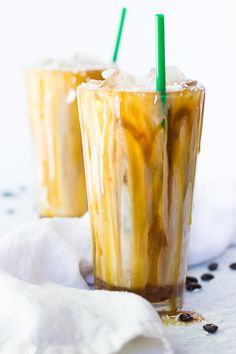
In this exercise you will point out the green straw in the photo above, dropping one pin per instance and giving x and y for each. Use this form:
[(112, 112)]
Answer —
[(160, 64), (160, 54), (118, 38)]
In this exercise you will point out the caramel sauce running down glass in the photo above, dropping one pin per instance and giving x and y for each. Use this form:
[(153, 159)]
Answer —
[(53, 112), (140, 179)]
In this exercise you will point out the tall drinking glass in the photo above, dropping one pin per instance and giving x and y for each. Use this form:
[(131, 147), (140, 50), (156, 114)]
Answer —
[(140, 171), (57, 139)]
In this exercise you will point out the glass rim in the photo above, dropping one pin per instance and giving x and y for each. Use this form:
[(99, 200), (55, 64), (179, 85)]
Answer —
[(109, 91), (42, 69)]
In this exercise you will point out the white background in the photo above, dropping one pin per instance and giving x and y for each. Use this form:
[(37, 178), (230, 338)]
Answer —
[(200, 39)]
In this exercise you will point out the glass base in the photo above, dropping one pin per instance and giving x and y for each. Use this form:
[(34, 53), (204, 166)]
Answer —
[(168, 306), (163, 298)]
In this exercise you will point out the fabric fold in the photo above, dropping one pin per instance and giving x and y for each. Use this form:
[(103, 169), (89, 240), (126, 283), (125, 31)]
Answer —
[(46, 307)]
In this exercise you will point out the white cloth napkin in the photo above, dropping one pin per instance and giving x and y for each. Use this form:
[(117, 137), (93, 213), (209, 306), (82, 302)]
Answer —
[(45, 304)]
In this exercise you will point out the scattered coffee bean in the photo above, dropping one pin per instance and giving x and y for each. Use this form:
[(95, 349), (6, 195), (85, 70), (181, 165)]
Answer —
[(8, 194), (233, 266), (185, 317), (193, 286), (190, 279), (210, 328), (22, 188), (213, 266), (207, 276)]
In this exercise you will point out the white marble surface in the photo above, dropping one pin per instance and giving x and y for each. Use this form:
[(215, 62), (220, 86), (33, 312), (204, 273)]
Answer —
[(17, 207), (216, 301)]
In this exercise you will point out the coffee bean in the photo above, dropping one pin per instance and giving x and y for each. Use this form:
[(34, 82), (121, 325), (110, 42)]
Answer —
[(213, 266), (190, 279), (185, 317), (8, 194), (193, 286), (207, 276), (210, 328), (233, 266), (22, 188)]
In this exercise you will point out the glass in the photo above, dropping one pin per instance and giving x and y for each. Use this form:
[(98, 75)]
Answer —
[(53, 112), (140, 172)]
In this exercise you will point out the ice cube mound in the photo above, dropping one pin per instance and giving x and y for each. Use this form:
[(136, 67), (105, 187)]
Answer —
[(119, 80), (174, 76), (78, 62)]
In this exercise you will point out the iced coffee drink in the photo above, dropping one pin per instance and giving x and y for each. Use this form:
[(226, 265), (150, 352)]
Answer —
[(53, 111), (140, 153)]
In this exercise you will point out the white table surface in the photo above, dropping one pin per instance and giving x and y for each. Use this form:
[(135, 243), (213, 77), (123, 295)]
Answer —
[(216, 301)]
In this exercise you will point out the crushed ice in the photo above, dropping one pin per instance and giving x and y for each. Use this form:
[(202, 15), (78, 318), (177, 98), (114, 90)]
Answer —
[(119, 80), (78, 62)]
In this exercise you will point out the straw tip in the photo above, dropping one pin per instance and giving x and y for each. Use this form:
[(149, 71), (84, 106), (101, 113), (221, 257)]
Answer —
[(159, 15), (119, 33)]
